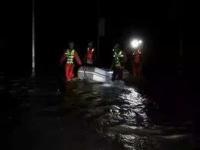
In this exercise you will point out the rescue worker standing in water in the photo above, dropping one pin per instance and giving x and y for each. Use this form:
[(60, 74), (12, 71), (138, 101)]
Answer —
[(137, 65), (118, 61), (69, 56), (90, 54)]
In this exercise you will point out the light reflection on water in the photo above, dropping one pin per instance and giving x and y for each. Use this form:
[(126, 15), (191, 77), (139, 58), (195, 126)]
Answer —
[(118, 112)]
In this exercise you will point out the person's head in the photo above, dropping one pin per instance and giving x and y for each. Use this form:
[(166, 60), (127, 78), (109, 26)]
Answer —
[(71, 45), (116, 46), (90, 44)]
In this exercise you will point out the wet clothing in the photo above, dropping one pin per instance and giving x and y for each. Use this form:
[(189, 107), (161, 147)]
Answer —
[(137, 65), (90, 56), (118, 57), (69, 71), (69, 56)]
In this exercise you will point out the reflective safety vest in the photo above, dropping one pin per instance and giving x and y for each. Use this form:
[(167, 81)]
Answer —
[(70, 56), (90, 54), (117, 55)]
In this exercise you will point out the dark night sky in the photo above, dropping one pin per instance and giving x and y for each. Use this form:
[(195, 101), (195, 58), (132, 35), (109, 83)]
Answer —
[(57, 22)]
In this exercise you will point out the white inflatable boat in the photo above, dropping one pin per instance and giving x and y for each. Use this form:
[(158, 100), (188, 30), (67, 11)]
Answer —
[(97, 74)]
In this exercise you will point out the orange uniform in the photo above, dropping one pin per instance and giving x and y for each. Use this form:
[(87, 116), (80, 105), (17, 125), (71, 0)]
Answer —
[(90, 55), (69, 56), (137, 67)]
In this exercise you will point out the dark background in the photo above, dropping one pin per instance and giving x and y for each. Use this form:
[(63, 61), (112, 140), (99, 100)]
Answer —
[(166, 26), (162, 24)]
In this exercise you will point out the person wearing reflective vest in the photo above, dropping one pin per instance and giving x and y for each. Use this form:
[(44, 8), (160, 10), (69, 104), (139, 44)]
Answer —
[(90, 54), (137, 65), (69, 56), (117, 66)]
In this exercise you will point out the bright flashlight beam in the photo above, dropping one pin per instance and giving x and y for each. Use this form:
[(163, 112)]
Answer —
[(136, 43)]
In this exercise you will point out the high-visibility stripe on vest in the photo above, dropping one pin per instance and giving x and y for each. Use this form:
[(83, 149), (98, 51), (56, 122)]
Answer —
[(117, 55), (70, 56)]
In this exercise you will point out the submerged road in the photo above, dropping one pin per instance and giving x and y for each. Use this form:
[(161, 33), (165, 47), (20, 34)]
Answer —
[(87, 116)]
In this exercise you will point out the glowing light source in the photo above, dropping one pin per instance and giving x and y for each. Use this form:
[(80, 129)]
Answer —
[(135, 43)]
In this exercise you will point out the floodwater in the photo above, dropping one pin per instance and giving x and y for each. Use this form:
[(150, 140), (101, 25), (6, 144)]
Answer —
[(38, 115)]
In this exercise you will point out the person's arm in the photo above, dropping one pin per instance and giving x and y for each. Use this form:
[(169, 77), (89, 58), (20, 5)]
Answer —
[(139, 51), (62, 59), (134, 51), (124, 57), (113, 62), (94, 55), (77, 58), (85, 56)]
